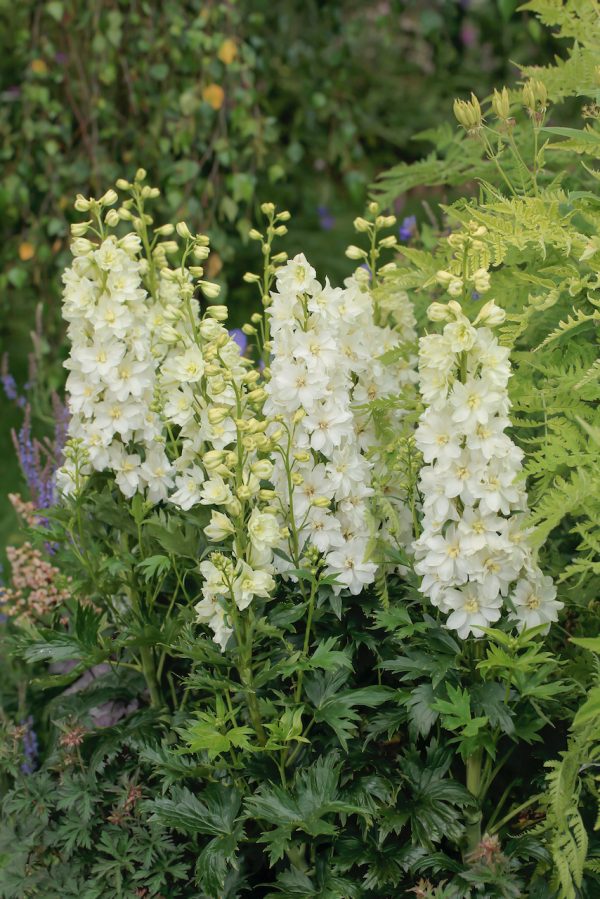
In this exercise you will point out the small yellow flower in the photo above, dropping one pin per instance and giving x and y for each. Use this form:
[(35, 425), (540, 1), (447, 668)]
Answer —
[(26, 251), (214, 95), (227, 51), (39, 66)]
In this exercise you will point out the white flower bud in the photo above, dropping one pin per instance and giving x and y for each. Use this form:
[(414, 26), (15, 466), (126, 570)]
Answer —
[(455, 288), (82, 246), (263, 469), (481, 280), (490, 314), (211, 292), (361, 225), (80, 229), (354, 252), (109, 198), (112, 218), (439, 312), (81, 204), (444, 278), (183, 230)]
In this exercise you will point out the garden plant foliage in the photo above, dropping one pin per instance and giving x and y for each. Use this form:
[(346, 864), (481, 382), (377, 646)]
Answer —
[(314, 613)]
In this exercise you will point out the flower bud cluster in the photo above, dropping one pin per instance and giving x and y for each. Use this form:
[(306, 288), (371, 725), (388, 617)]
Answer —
[(210, 396), (473, 553)]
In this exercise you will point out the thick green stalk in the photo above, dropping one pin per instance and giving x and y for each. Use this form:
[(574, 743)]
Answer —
[(473, 783), (149, 671), (309, 618)]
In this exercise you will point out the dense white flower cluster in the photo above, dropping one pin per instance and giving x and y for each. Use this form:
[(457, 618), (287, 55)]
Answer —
[(162, 398), (325, 345), (473, 553), (111, 366)]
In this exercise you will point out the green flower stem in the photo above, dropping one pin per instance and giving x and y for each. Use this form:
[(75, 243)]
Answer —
[(149, 671), (309, 618), (473, 783), (243, 631)]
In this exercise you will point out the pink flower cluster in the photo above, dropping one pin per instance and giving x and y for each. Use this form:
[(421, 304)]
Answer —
[(37, 586)]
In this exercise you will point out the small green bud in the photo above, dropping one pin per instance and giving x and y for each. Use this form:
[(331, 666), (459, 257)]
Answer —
[(468, 114), (353, 252), (501, 104)]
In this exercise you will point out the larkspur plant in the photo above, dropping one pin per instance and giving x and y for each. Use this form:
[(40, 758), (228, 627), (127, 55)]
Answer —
[(301, 633)]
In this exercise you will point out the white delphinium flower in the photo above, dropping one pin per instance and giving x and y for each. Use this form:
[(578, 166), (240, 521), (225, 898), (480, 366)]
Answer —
[(111, 365), (534, 601), (473, 554), (321, 477)]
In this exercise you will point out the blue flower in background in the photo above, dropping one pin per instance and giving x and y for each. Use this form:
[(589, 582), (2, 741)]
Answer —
[(240, 338), (326, 220), (408, 228)]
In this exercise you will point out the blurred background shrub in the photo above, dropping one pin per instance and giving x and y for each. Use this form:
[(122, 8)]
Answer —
[(226, 104)]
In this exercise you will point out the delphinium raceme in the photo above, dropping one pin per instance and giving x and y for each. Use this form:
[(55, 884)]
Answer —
[(473, 552), (162, 397), (321, 477)]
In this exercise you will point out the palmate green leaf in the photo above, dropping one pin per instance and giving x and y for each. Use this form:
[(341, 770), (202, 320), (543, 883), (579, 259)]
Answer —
[(172, 766), (336, 707), (212, 734), (187, 540), (456, 712), (328, 658), (296, 884), (153, 566), (216, 860), (421, 713), (213, 812), (434, 801), (489, 699), (82, 643), (419, 662), (308, 806)]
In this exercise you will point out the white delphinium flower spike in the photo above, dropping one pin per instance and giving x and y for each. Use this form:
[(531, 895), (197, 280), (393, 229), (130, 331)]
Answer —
[(473, 554)]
